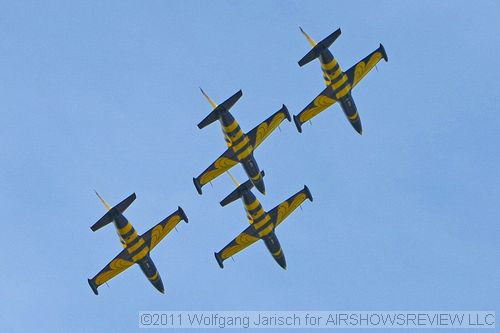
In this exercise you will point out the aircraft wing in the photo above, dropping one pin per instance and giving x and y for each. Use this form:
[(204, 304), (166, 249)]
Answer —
[(120, 263), (359, 70), (225, 162), (242, 241), (262, 131), (279, 213), (154, 235), (324, 100)]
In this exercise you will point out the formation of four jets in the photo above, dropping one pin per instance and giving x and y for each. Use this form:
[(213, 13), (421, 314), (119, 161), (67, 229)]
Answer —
[(241, 146)]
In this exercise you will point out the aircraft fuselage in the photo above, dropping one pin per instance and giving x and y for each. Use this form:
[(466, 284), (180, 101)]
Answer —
[(334, 76), (149, 269), (263, 226), (138, 250), (242, 149)]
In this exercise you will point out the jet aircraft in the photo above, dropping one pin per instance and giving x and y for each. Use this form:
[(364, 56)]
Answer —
[(339, 84), (136, 248), (240, 145), (262, 223)]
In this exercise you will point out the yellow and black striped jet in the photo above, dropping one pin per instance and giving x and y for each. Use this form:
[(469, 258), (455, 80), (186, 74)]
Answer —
[(136, 248), (339, 84), (262, 223), (240, 145)]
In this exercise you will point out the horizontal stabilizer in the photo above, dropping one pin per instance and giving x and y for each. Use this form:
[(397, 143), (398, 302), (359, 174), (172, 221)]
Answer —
[(224, 106), (316, 50), (110, 215), (238, 192)]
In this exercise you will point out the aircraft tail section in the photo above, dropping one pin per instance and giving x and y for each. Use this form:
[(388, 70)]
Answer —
[(224, 106), (317, 48), (238, 192), (110, 215)]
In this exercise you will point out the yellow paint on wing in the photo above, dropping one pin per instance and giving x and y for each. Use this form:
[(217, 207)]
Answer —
[(287, 207), (320, 103), (265, 128), (159, 232), (363, 68), (115, 267), (220, 165), (242, 241)]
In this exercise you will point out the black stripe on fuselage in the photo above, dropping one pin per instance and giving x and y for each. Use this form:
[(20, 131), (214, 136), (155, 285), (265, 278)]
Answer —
[(239, 140), (128, 234), (120, 221), (133, 242), (255, 210), (234, 132)]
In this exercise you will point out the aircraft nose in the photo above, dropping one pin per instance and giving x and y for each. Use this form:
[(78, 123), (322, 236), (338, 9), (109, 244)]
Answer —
[(281, 261), (159, 286), (260, 186), (357, 126)]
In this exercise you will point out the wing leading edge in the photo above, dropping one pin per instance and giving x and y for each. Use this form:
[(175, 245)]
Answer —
[(241, 242), (119, 264), (225, 162), (279, 213), (154, 235), (258, 134), (323, 101), (357, 72)]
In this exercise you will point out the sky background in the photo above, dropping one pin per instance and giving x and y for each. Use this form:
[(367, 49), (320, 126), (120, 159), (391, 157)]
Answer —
[(104, 95)]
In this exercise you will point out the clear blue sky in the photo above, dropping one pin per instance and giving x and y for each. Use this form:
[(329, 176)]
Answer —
[(104, 95)]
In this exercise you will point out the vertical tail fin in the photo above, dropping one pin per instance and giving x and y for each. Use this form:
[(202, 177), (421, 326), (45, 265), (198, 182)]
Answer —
[(313, 43), (317, 48), (224, 106), (209, 99), (112, 212)]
